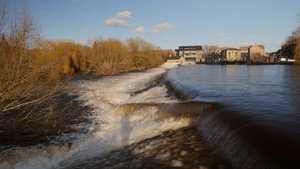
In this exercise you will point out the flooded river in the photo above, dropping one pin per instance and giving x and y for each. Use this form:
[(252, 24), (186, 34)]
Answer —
[(196, 116)]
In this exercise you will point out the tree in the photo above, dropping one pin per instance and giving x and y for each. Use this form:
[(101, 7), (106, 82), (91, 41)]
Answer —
[(24, 84), (3, 15), (23, 31), (288, 48), (297, 48), (109, 57), (144, 54), (171, 52), (208, 49)]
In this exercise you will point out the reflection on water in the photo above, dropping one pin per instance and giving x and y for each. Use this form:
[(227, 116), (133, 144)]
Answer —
[(231, 117), (260, 104), (274, 88)]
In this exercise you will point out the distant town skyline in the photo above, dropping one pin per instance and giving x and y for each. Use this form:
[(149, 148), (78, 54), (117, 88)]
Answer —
[(168, 23)]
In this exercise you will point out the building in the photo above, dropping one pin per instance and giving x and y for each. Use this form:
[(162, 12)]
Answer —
[(213, 57), (191, 54), (255, 53), (244, 52), (274, 55), (231, 55), (174, 59), (219, 50)]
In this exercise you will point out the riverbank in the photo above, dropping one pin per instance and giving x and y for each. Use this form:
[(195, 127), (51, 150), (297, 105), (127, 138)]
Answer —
[(245, 63), (67, 112)]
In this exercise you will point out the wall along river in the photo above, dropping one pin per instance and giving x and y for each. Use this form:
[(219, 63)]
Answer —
[(198, 116)]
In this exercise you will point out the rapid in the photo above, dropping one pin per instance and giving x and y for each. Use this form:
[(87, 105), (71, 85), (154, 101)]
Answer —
[(198, 116)]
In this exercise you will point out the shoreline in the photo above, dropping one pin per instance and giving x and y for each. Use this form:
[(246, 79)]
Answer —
[(244, 63), (67, 113)]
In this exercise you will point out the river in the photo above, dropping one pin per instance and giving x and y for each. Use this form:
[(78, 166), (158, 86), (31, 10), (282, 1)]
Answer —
[(194, 116)]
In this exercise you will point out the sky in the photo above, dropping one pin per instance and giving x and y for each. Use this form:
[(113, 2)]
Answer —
[(168, 23)]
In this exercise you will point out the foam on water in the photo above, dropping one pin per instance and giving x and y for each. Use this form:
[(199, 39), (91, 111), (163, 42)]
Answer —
[(109, 130)]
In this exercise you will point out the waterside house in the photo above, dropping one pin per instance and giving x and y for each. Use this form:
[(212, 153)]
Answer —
[(256, 53), (275, 55), (174, 59), (231, 55), (190, 54), (250, 53), (193, 54)]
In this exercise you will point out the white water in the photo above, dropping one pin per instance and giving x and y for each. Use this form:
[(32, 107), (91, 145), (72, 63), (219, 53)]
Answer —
[(109, 131)]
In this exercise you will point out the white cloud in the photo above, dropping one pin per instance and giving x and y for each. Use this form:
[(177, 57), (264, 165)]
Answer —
[(139, 29), (222, 35), (154, 31), (157, 28), (115, 22), (124, 14), (164, 26)]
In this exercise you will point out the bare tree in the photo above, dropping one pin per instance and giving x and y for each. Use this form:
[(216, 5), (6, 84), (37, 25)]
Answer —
[(209, 49), (23, 30), (297, 48), (3, 15), (24, 84)]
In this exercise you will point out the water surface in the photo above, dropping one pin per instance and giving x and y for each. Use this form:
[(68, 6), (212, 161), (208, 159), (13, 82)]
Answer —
[(260, 103), (222, 117)]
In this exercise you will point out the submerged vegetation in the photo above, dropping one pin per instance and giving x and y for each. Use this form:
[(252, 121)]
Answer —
[(33, 70)]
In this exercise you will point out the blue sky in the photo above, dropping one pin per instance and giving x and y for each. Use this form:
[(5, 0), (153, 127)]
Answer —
[(169, 23)]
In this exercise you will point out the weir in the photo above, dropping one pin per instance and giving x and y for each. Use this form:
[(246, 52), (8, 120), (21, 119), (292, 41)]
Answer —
[(138, 122), (242, 140), (217, 127)]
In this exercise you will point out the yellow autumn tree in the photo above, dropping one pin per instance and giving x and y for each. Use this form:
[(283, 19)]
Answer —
[(64, 56), (24, 84), (144, 54), (108, 57)]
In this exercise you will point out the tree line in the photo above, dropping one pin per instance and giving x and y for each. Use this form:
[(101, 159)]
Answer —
[(34, 69), (291, 46)]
